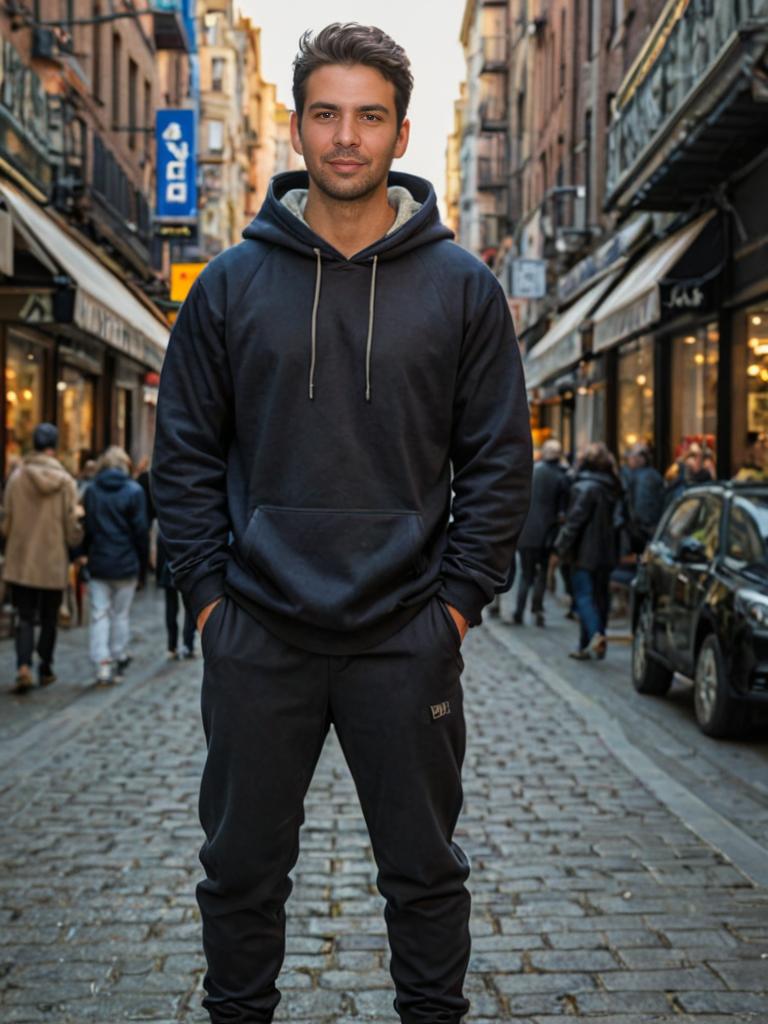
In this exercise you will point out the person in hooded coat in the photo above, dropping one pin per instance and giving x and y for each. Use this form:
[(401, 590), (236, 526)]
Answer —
[(588, 542), (341, 469), (116, 545), (41, 523)]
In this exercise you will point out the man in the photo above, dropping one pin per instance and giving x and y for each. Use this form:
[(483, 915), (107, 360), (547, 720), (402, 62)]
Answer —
[(549, 499), (41, 523), (644, 497), (324, 378)]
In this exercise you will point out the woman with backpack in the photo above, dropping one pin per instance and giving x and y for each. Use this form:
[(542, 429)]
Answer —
[(588, 543)]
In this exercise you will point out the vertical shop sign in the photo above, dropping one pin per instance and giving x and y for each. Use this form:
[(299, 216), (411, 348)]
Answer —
[(176, 166)]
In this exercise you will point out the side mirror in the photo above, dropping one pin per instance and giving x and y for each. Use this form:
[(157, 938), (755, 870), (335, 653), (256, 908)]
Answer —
[(692, 550)]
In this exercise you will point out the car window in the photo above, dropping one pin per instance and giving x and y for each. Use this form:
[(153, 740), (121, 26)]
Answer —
[(747, 531), (706, 528), (680, 523)]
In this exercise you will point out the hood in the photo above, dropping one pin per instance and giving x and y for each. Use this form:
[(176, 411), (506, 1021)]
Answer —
[(281, 222), (607, 481), (111, 479), (277, 224), (46, 473)]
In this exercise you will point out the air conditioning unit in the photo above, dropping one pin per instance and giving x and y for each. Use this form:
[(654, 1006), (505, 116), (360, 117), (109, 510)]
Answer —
[(50, 44)]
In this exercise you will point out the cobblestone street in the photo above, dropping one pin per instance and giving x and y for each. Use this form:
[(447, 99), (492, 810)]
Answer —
[(595, 897)]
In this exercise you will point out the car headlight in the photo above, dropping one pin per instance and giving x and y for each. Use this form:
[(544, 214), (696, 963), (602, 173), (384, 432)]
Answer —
[(754, 606)]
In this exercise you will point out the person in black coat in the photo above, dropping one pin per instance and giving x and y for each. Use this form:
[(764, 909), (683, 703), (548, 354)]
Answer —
[(588, 542), (643, 499), (549, 497), (165, 580), (116, 545)]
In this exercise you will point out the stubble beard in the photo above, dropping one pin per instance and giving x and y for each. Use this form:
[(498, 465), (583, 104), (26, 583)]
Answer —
[(349, 191)]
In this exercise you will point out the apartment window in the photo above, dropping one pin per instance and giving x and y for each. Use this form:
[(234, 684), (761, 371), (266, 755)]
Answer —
[(117, 57), (588, 166), (96, 51), (133, 87), (217, 74), (147, 114), (215, 136)]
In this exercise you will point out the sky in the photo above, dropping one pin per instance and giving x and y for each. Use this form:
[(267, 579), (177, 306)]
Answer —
[(427, 29)]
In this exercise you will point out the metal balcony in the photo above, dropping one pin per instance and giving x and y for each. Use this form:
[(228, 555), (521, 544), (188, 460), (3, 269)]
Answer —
[(494, 116), (494, 55), (492, 173), (688, 116)]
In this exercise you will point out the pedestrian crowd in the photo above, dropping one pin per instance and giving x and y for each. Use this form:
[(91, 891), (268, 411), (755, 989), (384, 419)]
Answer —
[(69, 538), (592, 520), (588, 521)]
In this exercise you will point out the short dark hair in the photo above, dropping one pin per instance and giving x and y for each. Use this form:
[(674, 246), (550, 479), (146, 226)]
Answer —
[(349, 43)]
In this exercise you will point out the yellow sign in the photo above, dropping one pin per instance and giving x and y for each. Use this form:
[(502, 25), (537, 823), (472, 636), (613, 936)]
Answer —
[(183, 276)]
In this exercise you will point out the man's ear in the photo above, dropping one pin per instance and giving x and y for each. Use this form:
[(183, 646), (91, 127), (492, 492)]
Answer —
[(296, 133), (403, 137)]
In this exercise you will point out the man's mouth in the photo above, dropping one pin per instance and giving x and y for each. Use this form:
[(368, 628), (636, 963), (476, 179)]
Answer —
[(346, 165)]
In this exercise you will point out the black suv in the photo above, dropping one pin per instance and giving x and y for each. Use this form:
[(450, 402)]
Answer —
[(700, 603)]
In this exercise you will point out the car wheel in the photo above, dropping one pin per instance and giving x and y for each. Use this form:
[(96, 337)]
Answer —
[(648, 675), (717, 713)]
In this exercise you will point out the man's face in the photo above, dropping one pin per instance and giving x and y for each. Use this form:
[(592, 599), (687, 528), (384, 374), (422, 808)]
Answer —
[(348, 134)]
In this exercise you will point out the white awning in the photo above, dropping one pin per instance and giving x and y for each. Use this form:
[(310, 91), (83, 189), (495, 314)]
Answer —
[(561, 346), (104, 305), (635, 303)]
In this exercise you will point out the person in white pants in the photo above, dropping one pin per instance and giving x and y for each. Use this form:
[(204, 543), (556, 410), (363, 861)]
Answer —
[(110, 624), (116, 544)]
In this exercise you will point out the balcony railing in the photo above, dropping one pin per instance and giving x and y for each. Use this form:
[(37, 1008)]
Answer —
[(126, 202), (493, 115), (494, 54), (692, 48), (492, 172)]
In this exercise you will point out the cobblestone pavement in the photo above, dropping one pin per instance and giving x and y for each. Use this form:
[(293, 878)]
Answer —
[(592, 900)]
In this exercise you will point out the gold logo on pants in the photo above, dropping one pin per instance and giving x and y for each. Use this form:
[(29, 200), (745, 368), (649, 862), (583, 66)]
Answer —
[(440, 710)]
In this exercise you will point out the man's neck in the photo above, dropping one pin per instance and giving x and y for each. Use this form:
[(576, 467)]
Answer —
[(349, 225)]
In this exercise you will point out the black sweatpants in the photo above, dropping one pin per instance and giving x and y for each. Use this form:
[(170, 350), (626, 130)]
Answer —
[(41, 604), (397, 711)]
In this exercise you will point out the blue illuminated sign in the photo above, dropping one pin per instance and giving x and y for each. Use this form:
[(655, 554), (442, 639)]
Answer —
[(176, 165)]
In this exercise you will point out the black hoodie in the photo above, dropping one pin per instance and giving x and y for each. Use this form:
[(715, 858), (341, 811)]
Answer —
[(311, 411)]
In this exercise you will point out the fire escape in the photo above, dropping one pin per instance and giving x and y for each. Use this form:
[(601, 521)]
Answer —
[(492, 158)]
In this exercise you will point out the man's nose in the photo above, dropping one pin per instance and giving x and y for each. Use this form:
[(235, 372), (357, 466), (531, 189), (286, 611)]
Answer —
[(346, 131)]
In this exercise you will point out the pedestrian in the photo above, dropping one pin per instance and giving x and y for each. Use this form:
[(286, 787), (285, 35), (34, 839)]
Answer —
[(753, 468), (41, 523), (116, 545), (549, 497), (342, 466), (165, 580), (587, 541), (643, 498)]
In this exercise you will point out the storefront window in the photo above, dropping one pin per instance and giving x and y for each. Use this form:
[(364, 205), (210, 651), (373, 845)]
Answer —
[(23, 397), (694, 402), (75, 396), (635, 391), (589, 411), (750, 416)]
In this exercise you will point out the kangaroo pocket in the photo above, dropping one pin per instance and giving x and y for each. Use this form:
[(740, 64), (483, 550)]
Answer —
[(334, 568)]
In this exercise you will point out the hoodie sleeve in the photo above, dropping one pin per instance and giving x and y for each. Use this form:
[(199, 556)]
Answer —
[(190, 458), (492, 462)]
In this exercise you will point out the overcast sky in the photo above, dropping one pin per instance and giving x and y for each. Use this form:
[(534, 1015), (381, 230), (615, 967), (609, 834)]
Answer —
[(427, 29)]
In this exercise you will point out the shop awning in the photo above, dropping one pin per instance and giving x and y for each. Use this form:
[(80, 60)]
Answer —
[(635, 303), (104, 306), (561, 346)]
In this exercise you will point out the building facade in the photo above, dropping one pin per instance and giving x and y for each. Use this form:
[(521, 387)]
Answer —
[(635, 154), (80, 340)]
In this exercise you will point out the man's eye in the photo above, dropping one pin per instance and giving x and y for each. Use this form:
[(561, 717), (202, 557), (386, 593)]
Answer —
[(371, 117)]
